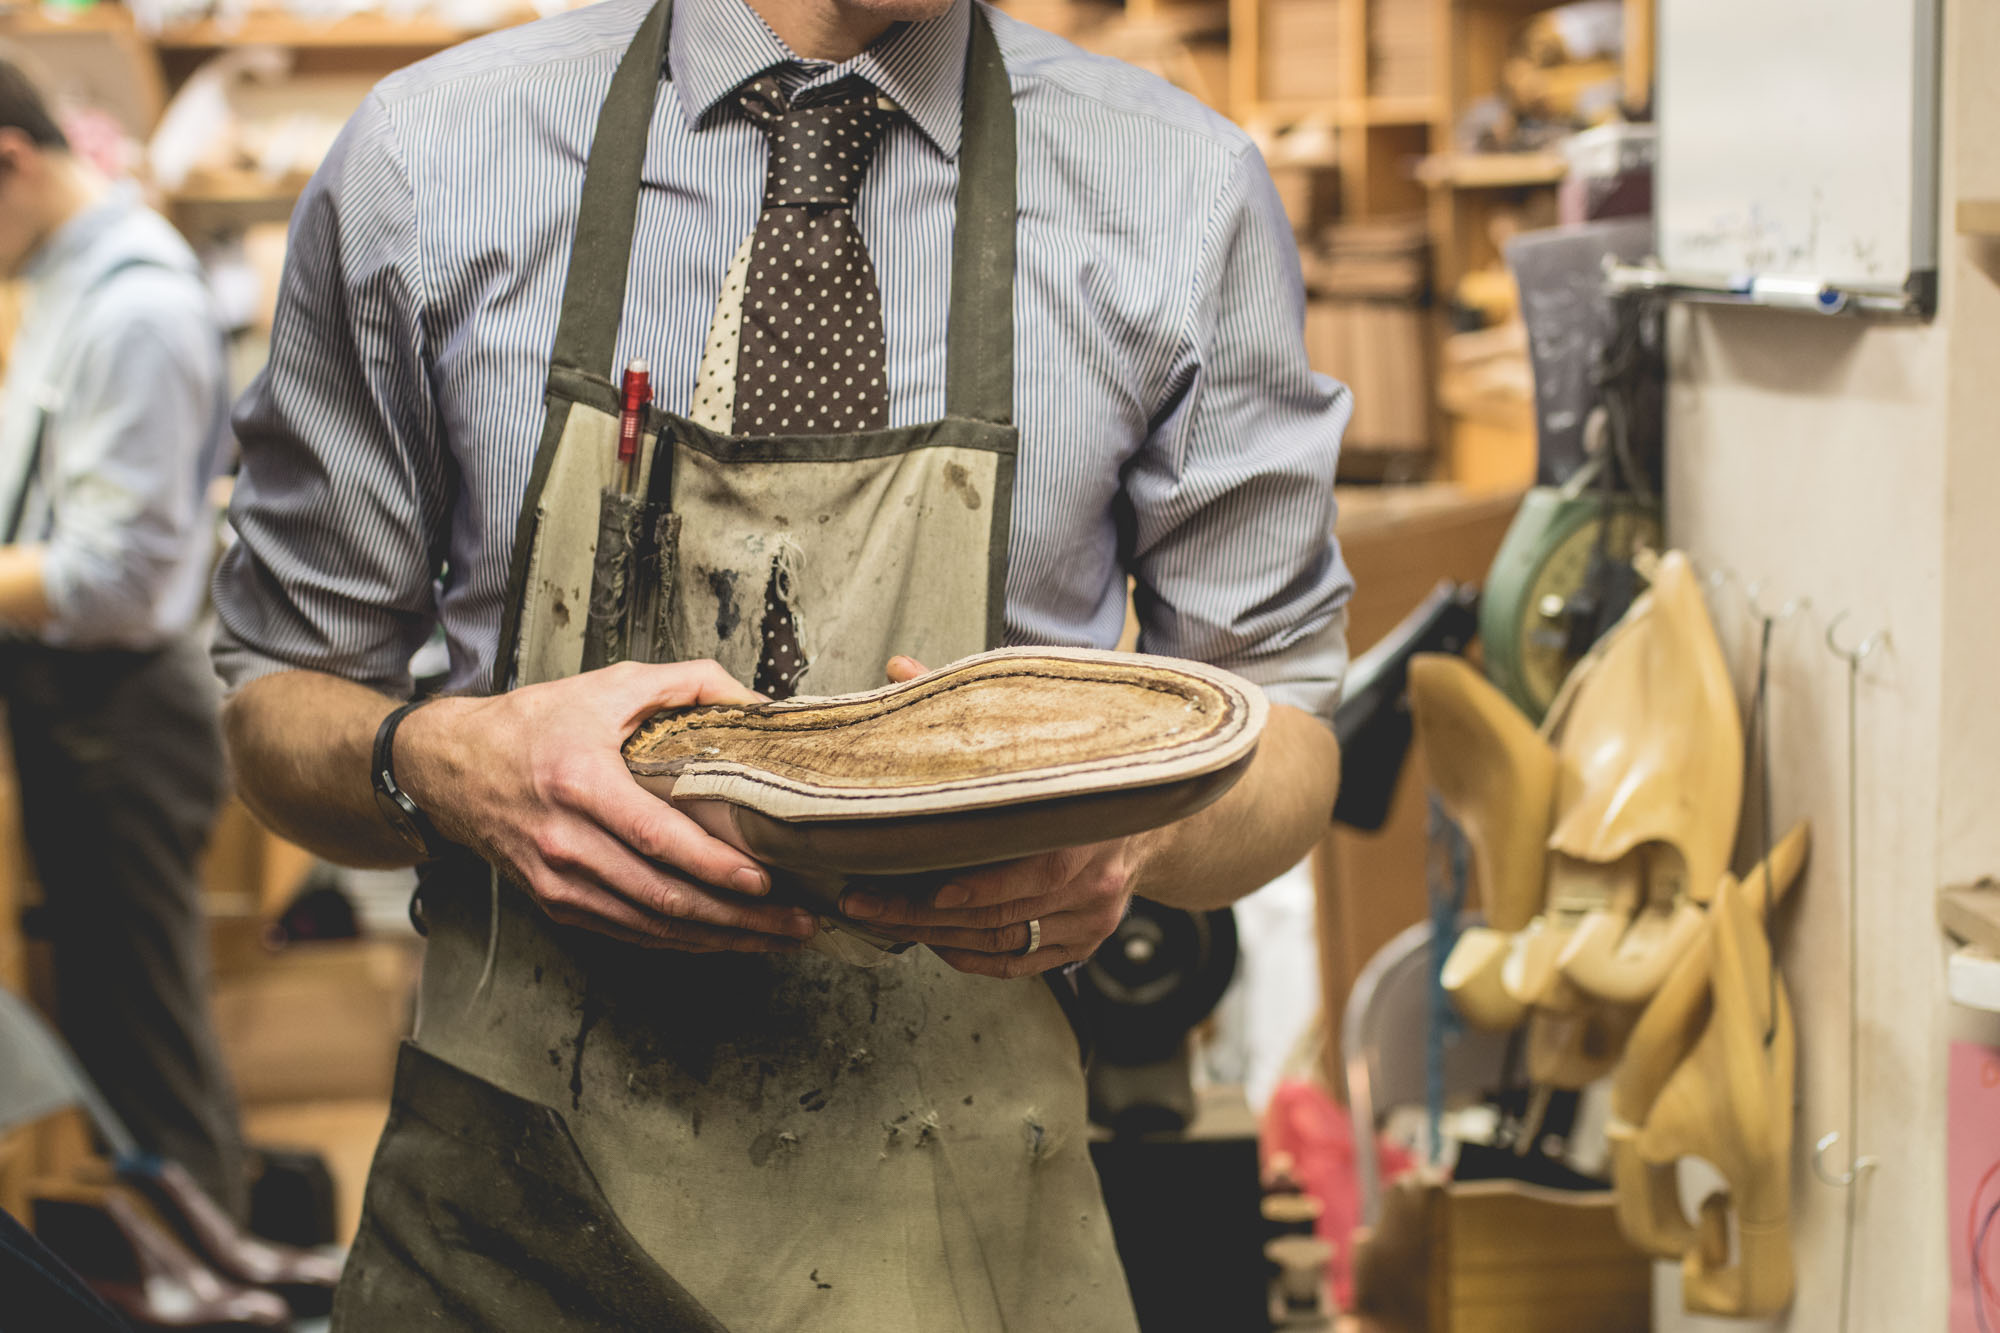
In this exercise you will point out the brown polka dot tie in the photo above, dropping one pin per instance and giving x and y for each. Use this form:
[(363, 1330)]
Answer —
[(810, 355)]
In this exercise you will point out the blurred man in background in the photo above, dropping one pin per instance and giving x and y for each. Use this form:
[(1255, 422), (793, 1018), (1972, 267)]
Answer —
[(112, 415)]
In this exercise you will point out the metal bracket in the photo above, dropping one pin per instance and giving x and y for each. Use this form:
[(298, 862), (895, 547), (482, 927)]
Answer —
[(1915, 300)]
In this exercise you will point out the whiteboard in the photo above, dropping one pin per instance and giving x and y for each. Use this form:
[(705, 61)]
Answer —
[(1798, 140)]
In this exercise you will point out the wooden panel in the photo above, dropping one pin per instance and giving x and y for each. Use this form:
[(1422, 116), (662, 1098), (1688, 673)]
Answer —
[(319, 1021), (1304, 54), (248, 869), (1972, 913), (1489, 455), (1399, 541), (1403, 43), (1979, 217), (1378, 348), (1640, 16), (1395, 147), (1508, 1258)]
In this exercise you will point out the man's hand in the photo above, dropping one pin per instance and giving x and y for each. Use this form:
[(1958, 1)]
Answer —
[(978, 920), (534, 781)]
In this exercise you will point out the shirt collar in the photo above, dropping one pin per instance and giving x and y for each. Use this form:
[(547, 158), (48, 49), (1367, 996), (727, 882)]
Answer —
[(719, 45), (69, 243)]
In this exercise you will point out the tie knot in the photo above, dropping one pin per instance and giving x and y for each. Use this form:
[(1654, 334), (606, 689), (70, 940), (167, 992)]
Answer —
[(820, 151)]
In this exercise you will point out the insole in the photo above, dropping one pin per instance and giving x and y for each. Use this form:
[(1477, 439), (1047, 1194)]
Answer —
[(994, 719)]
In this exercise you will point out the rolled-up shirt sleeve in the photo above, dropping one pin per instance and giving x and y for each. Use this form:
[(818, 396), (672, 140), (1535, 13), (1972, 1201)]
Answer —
[(340, 510), (1234, 557), (127, 498)]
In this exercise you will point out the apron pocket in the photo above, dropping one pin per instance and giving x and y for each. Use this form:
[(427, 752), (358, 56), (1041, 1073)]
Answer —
[(482, 1216)]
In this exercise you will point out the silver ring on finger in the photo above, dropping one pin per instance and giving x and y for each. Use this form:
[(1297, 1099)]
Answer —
[(1034, 936)]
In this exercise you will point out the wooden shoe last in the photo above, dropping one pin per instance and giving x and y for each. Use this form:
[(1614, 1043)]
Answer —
[(1730, 1103), (1496, 778), (1650, 783), (1648, 1195)]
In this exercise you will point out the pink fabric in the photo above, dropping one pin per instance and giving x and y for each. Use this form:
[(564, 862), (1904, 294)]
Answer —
[(1306, 1124), (1972, 1158)]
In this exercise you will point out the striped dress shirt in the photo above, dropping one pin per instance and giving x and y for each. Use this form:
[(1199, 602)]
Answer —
[(1170, 426)]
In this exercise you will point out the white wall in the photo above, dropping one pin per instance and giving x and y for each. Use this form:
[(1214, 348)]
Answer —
[(1858, 465)]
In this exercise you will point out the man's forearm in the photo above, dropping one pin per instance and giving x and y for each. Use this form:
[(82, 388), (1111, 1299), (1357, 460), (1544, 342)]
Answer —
[(1263, 827), (300, 743), (24, 597)]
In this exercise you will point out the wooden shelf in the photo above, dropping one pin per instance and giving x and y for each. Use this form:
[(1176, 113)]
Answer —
[(212, 189), (1187, 15), (41, 22), (1979, 217), (364, 31), (1492, 171), (1346, 113), (1399, 111), (1973, 978)]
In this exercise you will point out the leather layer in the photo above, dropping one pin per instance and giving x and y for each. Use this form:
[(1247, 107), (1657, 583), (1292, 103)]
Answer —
[(1006, 728)]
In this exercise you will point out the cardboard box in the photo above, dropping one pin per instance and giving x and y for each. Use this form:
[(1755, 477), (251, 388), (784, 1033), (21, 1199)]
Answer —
[(1404, 55), (1302, 51), (1378, 349)]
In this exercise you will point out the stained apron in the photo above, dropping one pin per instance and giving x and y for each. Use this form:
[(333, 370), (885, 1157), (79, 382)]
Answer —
[(592, 1136)]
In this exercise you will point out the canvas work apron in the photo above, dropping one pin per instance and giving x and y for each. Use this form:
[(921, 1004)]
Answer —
[(591, 1136)]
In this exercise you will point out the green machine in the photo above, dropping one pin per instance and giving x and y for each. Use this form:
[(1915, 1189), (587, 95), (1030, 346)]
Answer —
[(1562, 577)]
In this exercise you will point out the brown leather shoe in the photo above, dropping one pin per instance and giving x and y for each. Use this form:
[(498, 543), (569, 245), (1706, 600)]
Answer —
[(304, 1279), (1001, 755), (150, 1278)]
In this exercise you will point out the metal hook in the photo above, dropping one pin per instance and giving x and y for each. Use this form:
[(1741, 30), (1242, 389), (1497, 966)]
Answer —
[(1785, 612), (1845, 1178), (1861, 650)]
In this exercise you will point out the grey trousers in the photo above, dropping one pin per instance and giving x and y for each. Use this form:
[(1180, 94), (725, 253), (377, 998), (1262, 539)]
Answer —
[(119, 757)]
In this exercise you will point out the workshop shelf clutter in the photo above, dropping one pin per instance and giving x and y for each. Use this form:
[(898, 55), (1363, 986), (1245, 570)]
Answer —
[(1644, 973)]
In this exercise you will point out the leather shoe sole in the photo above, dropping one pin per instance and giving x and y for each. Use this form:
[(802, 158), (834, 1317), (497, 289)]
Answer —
[(1005, 754)]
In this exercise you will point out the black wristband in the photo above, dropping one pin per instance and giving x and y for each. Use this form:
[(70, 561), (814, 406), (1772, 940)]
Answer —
[(402, 813)]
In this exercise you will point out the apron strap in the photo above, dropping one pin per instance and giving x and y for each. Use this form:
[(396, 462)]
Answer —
[(29, 476), (601, 253), (979, 343), (979, 351)]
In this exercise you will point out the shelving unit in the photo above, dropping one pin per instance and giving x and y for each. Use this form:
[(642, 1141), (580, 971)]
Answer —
[(1380, 133), (218, 199), (1467, 192), (1491, 171), (1386, 82), (407, 38), (1394, 149)]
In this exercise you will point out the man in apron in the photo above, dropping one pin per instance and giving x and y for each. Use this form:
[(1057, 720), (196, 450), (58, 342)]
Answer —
[(953, 328)]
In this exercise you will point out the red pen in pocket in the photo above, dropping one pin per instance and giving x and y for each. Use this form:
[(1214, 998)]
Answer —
[(637, 392)]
